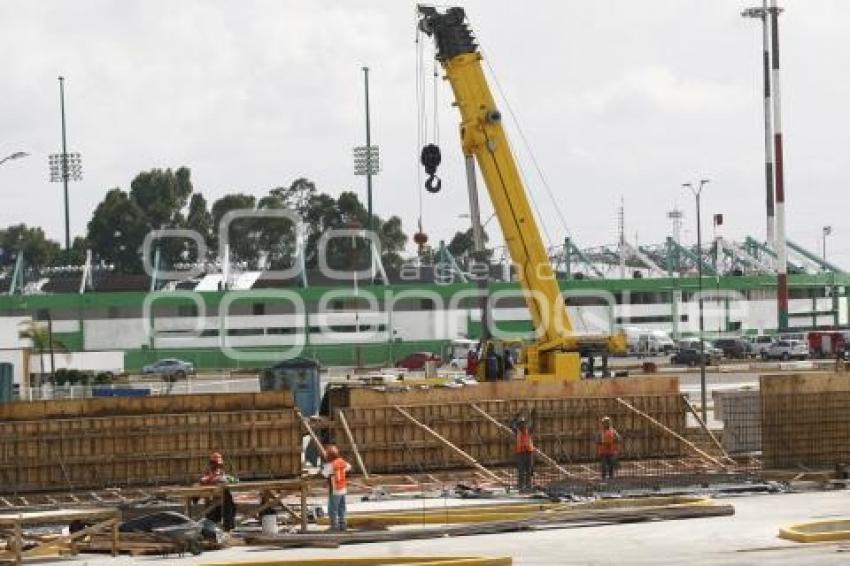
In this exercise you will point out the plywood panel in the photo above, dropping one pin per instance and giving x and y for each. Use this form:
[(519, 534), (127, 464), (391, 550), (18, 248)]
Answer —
[(111, 406), (615, 387), (566, 429)]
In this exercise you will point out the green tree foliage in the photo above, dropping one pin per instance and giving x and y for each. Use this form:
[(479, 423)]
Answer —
[(37, 248), (158, 198), (462, 244), (117, 230)]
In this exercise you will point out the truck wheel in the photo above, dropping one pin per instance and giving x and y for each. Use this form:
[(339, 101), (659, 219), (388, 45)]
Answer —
[(786, 356)]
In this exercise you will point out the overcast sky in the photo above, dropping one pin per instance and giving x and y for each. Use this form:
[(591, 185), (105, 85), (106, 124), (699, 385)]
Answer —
[(616, 98)]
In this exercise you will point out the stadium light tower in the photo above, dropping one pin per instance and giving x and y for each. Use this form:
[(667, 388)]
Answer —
[(65, 167)]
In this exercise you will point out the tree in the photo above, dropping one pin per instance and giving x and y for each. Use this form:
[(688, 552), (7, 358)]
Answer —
[(241, 234), (162, 195), (117, 230), (200, 220), (38, 250), (40, 339), (462, 244)]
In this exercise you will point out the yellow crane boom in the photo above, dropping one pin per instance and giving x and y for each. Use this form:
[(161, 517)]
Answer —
[(557, 353)]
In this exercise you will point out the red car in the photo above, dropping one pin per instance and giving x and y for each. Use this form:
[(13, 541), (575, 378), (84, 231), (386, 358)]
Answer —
[(417, 360)]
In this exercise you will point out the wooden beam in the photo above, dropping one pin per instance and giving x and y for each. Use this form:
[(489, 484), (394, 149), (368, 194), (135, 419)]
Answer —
[(312, 434), (673, 433), (549, 460), (706, 430), (469, 459), (344, 422)]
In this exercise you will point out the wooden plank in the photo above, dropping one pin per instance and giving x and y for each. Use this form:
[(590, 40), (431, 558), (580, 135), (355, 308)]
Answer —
[(508, 431), (341, 416), (466, 457), (514, 390), (312, 434), (706, 430), (673, 433)]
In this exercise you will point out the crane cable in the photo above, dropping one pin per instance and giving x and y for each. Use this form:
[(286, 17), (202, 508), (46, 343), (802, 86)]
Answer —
[(420, 114)]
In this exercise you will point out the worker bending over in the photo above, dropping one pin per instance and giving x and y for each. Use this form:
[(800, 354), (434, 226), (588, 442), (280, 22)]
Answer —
[(608, 446), (336, 470), (524, 449), (216, 475)]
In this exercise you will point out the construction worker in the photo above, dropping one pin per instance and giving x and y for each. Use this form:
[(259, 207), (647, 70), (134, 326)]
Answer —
[(524, 449), (216, 475), (607, 446), (336, 470), (472, 362)]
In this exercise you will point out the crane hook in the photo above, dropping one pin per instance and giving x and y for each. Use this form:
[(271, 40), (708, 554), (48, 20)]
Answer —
[(433, 184), (430, 159)]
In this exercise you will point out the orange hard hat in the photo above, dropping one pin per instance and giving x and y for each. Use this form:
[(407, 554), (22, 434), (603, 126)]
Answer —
[(331, 452), (217, 458)]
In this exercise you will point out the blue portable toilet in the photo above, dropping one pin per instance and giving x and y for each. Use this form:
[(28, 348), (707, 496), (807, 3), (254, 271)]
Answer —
[(299, 375), (7, 382)]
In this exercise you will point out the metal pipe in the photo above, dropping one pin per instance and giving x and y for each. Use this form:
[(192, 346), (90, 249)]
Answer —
[(474, 209)]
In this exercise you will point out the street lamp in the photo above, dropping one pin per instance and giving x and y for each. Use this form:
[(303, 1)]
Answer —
[(697, 191), (16, 155), (827, 231)]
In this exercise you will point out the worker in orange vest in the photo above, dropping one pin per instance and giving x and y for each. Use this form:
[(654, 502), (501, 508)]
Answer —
[(524, 449), (336, 470), (608, 446), (215, 474)]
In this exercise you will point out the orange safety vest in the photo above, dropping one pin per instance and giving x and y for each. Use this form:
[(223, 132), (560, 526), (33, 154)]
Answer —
[(524, 444), (338, 476), (608, 443)]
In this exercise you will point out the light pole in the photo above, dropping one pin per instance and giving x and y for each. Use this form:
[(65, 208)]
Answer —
[(366, 159), (697, 191), (16, 155), (827, 231), (65, 167)]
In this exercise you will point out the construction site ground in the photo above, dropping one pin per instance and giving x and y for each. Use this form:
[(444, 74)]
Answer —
[(747, 537)]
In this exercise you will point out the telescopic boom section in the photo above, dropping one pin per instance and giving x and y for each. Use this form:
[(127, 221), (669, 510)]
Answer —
[(483, 136)]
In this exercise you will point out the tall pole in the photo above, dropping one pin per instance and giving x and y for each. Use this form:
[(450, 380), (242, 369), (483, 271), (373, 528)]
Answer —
[(703, 395), (65, 169), (697, 191), (762, 14), (369, 225), (781, 252)]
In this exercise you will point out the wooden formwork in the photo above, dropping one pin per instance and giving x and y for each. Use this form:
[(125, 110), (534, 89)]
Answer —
[(565, 429), (805, 420), (145, 447)]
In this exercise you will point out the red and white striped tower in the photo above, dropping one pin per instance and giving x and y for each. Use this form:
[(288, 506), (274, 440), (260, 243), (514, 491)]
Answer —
[(762, 15), (781, 251)]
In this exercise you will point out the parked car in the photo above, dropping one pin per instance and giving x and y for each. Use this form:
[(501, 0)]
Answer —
[(690, 357), (759, 345), (733, 348), (708, 347), (417, 360), (170, 368), (787, 350)]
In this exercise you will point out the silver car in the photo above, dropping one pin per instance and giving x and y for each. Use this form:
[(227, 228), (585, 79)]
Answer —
[(788, 350), (169, 369)]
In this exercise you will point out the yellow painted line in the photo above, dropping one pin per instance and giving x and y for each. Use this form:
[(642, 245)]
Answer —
[(818, 531), (380, 561)]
